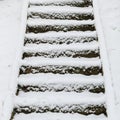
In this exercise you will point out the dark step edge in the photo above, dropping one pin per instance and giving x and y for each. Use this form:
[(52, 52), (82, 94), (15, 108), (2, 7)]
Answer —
[(86, 3), (67, 53), (59, 41), (75, 108), (66, 88), (57, 28), (57, 69)]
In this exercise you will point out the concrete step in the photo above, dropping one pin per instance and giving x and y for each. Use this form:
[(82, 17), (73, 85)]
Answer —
[(60, 12), (75, 3), (42, 26), (60, 37)]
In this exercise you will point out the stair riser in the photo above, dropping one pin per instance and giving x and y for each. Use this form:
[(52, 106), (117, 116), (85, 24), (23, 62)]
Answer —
[(67, 53), (62, 88), (62, 16), (59, 40), (64, 28), (76, 108), (57, 69), (58, 3)]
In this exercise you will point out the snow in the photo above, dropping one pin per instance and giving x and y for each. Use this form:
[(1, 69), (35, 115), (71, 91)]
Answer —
[(60, 9), (62, 37), (106, 67), (47, 98), (58, 116), (62, 61), (8, 103), (37, 79), (110, 17), (47, 1), (74, 46), (10, 24), (72, 34), (10, 11), (42, 22), (55, 1)]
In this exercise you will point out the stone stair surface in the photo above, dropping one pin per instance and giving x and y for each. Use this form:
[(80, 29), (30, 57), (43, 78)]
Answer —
[(61, 75)]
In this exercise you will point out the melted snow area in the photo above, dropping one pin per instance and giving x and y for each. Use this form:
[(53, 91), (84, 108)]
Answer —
[(10, 22)]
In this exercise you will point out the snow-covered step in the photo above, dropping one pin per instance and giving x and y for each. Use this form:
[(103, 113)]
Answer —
[(58, 78), (57, 116), (60, 37), (45, 25), (83, 103), (61, 66), (76, 3), (47, 98), (55, 87), (61, 12), (78, 50), (62, 61), (58, 83), (60, 75), (63, 53)]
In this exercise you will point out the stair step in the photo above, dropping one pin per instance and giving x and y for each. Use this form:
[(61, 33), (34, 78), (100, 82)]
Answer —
[(61, 66), (60, 37), (78, 50), (61, 12), (57, 116), (83, 103), (60, 73), (49, 78), (76, 108), (60, 69), (47, 98), (42, 25), (58, 83), (76, 3), (61, 88), (62, 53)]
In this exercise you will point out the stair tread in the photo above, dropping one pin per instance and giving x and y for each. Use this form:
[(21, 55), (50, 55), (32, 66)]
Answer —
[(57, 116), (52, 98), (60, 37), (38, 21), (57, 83), (60, 9), (77, 3), (87, 62), (62, 34), (47, 47), (49, 1), (36, 79), (46, 25)]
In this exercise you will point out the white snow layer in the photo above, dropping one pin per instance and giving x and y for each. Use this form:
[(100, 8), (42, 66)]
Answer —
[(37, 79), (42, 22), (60, 9), (73, 46), (10, 19), (50, 98), (58, 116), (61, 61), (54, 1), (62, 34)]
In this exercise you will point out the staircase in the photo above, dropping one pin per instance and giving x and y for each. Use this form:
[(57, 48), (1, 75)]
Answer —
[(61, 76)]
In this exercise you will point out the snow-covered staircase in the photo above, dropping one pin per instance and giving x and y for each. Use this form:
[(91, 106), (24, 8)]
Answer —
[(60, 76)]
